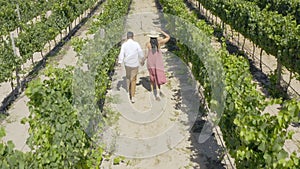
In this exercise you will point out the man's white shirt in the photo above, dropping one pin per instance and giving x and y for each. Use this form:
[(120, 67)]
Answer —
[(130, 53)]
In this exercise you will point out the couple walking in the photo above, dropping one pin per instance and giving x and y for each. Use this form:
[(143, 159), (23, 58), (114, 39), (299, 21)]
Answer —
[(132, 55)]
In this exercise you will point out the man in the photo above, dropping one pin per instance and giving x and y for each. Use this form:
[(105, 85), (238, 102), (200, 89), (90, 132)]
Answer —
[(131, 53)]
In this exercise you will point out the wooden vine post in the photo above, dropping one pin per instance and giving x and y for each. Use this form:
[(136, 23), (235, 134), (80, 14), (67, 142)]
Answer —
[(19, 17), (260, 59), (290, 80), (238, 41), (231, 33), (15, 54), (279, 70), (216, 19), (253, 50), (244, 43), (222, 25)]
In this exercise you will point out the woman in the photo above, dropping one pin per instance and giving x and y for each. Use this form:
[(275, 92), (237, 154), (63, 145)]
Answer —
[(155, 62)]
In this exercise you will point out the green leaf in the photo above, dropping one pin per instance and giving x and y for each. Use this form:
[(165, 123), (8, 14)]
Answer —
[(2, 132), (21, 164), (10, 146), (117, 161), (282, 155), (276, 147), (262, 147), (24, 120), (268, 158)]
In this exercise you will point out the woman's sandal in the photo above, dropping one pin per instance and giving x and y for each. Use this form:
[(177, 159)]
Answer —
[(161, 94), (157, 98)]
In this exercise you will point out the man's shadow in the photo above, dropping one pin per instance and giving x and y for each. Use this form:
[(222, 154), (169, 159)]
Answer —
[(122, 83), (144, 81)]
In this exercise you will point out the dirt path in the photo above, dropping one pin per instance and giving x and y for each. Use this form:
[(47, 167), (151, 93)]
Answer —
[(154, 134)]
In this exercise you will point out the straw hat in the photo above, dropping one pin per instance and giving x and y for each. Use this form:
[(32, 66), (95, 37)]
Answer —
[(153, 34)]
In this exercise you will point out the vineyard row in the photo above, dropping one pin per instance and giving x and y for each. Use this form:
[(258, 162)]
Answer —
[(274, 33), (58, 135), (34, 37), (253, 139)]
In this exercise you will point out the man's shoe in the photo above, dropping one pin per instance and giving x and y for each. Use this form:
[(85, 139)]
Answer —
[(132, 100)]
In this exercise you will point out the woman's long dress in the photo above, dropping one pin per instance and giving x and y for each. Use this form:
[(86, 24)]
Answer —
[(155, 67)]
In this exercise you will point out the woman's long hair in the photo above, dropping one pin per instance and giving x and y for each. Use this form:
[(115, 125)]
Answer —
[(154, 45)]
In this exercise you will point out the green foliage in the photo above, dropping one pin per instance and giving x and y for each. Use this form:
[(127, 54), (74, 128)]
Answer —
[(27, 9), (8, 17), (274, 33), (274, 90), (8, 61), (117, 10), (55, 122), (2, 132), (10, 158), (118, 160), (284, 7), (33, 36), (78, 43), (56, 136)]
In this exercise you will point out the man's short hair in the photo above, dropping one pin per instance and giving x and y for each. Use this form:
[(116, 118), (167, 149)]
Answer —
[(129, 34)]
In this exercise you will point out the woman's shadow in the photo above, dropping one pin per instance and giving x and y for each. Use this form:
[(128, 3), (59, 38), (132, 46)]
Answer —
[(144, 81)]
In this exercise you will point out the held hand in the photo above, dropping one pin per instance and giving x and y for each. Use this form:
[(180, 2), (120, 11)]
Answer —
[(143, 62)]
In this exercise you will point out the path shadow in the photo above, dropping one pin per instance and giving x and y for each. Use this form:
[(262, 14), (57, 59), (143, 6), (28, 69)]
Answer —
[(207, 154), (296, 124)]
